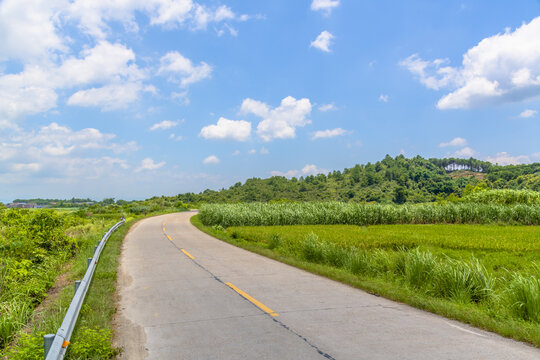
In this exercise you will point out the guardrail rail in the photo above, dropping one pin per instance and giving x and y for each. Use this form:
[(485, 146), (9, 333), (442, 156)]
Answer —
[(56, 344)]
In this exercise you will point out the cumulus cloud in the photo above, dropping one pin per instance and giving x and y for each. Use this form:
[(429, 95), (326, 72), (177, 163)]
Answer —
[(458, 141), (34, 89), (226, 129), (93, 16), (280, 122), (308, 169), (327, 107), (108, 97), (503, 158), (165, 124), (28, 29), (59, 153), (324, 5), (501, 68), (149, 164), (212, 159), (181, 69), (323, 41), (528, 113), (466, 152), (323, 134)]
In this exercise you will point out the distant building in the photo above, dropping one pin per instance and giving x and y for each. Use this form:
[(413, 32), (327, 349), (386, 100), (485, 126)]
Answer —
[(21, 205)]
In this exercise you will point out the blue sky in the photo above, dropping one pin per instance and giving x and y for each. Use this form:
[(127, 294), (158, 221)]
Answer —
[(136, 98)]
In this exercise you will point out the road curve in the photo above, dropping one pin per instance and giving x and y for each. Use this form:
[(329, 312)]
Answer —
[(186, 295)]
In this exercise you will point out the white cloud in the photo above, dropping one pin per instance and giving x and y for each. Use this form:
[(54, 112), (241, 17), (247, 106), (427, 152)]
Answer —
[(323, 134), (174, 63), (458, 141), (307, 170), (165, 124), (93, 16), (149, 164), (383, 98), (30, 167), (323, 41), (324, 5), (236, 153), (212, 159), (503, 158), (57, 153), (252, 152), (466, 152), (108, 97), (501, 68), (28, 29), (226, 129), (528, 113), (264, 151), (327, 107), (280, 122)]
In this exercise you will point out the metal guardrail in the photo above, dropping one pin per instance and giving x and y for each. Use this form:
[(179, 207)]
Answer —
[(56, 345)]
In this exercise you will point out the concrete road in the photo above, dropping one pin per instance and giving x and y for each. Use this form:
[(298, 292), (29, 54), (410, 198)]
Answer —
[(186, 295)]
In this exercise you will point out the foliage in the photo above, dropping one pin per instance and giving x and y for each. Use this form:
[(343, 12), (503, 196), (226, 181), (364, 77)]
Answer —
[(398, 180), (30, 347), (524, 296), (504, 197), (252, 214), (93, 343)]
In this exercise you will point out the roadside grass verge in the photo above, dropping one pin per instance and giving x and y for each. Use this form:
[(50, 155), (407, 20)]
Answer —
[(495, 289), (92, 335)]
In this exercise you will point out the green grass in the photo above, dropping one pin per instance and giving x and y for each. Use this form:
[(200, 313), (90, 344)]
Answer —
[(334, 213), (94, 327), (479, 274)]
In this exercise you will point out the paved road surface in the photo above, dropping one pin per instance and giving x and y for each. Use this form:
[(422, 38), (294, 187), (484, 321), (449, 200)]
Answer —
[(180, 299)]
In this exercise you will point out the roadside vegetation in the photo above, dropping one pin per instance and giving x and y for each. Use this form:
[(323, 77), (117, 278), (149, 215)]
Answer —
[(37, 246), (467, 260)]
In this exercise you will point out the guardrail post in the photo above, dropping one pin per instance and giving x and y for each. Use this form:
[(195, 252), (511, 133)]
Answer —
[(89, 262), (77, 283), (95, 249), (47, 342)]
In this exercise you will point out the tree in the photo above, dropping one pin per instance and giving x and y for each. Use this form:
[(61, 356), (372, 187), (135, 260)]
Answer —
[(400, 195)]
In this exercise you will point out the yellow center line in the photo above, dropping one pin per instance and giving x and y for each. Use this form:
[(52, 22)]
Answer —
[(188, 254), (170, 238), (257, 303)]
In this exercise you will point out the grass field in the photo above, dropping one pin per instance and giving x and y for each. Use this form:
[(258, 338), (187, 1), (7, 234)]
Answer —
[(485, 275)]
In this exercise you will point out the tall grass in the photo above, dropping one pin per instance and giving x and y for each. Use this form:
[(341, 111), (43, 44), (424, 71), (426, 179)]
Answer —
[(524, 297), (505, 197), (327, 213)]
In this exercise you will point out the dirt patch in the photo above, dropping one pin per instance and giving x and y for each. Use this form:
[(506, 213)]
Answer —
[(466, 174), (52, 294)]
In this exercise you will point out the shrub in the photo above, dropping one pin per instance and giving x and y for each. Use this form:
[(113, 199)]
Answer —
[(524, 297), (312, 249), (274, 241), (93, 343), (419, 268), (463, 281), (29, 347)]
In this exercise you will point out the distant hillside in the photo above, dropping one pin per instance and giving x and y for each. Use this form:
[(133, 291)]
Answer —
[(395, 180)]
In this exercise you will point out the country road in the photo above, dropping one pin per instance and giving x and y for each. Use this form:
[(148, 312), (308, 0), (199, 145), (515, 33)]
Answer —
[(186, 295)]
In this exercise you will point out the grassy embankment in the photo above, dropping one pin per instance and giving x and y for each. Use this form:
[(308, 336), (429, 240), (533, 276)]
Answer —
[(92, 337), (485, 275)]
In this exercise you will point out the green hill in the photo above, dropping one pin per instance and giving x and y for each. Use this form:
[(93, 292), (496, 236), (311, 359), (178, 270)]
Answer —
[(396, 180)]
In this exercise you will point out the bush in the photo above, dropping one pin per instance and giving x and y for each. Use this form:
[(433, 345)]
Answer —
[(463, 281), (524, 297), (312, 249), (274, 241), (29, 347), (92, 343), (419, 268)]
